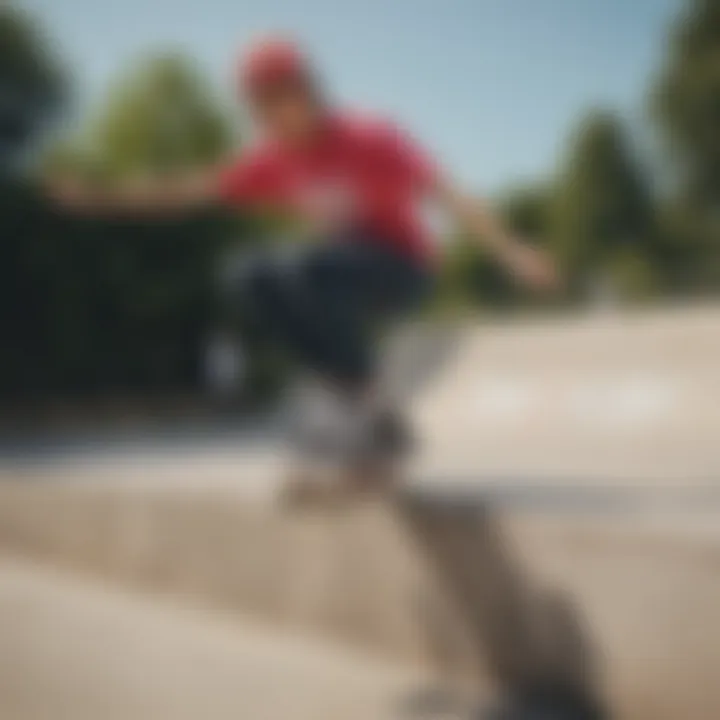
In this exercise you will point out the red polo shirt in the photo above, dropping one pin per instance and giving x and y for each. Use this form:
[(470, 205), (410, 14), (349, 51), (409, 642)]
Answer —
[(358, 174)]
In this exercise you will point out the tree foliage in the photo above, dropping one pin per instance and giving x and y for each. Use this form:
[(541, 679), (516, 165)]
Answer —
[(159, 118), (31, 84), (686, 102), (602, 207), (527, 211)]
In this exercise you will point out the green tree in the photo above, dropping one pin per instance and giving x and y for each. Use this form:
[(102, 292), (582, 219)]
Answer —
[(159, 118), (686, 105), (688, 248), (527, 209), (32, 85), (33, 88), (686, 102), (602, 210)]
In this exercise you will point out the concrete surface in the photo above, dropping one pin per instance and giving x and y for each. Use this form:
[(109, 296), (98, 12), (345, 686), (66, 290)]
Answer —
[(73, 650), (630, 610), (610, 398), (549, 535)]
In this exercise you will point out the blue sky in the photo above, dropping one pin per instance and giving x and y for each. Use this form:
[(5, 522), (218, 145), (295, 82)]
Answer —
[(491, 86)]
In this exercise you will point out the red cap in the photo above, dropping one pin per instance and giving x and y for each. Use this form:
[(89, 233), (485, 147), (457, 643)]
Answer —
[(271, 62)]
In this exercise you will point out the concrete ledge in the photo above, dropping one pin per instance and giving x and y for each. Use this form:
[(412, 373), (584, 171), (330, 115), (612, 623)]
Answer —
[(631, 614), (346, 575)]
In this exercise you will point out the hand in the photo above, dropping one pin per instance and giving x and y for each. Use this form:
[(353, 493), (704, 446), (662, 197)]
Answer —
[(533, 268)]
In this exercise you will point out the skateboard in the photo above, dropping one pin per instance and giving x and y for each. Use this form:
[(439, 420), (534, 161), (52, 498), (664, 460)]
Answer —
[(333, 479)]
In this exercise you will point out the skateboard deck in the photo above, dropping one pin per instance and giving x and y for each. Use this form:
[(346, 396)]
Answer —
[(313, 483)]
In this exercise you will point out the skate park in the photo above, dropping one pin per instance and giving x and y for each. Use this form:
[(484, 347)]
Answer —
[(550, 550), (558, 530)]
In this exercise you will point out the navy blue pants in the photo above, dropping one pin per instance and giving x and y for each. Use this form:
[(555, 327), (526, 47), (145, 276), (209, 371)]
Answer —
[(324, 303)]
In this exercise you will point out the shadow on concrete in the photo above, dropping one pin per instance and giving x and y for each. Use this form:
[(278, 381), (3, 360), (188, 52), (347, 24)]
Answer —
[(531, 642)]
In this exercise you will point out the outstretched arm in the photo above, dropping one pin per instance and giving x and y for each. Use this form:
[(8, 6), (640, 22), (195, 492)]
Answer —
[(160, 198), (529, 265)]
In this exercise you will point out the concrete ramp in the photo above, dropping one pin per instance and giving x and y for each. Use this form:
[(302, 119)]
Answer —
[(624, 398)]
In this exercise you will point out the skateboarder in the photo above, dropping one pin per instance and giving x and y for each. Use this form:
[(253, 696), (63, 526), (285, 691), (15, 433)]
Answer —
[(356, 185)]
